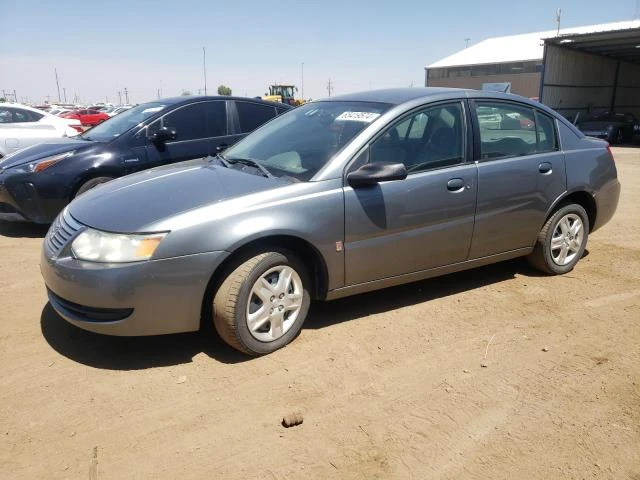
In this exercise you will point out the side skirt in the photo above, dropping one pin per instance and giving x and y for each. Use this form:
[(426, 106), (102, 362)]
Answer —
[(424, 274)]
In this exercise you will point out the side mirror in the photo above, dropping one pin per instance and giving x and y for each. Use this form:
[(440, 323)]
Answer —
[(373, 173), (163, 135)]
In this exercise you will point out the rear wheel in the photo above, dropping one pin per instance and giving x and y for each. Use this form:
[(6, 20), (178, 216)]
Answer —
[(561, 241), (91, 183), (262, 304)]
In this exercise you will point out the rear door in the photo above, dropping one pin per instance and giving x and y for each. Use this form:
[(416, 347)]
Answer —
[(425, 221), (200, 129), (247, 116), (521, 173)]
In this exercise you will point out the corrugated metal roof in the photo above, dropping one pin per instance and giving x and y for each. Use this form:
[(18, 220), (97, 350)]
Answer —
[(516, 48)]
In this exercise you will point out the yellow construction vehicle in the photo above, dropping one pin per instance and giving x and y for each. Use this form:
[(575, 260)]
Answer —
[(283, 94)]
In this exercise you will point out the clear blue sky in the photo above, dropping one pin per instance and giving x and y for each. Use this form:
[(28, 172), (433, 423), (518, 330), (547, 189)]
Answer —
[(100, 47)]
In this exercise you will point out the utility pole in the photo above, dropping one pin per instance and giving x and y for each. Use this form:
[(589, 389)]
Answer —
[(119, 97), (126, 95), (204, 68), (15, 97), (158, 93), (330, 87), (65, 94), (558, 17), (57, 84), (302, 79), (466, 42)]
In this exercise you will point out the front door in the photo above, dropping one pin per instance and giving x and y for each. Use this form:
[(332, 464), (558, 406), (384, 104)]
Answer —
[(424, 221), (200, 128)]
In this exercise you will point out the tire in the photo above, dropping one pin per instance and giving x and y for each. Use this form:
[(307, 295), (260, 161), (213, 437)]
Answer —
[(246, 291), (562, 240), (619, 138), (91, 183)]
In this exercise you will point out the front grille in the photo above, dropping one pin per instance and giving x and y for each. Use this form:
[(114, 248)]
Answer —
[(62, 229)]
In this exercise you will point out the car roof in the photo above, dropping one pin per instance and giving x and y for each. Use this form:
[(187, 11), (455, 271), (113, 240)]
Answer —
[(397, 96), (198, 98)]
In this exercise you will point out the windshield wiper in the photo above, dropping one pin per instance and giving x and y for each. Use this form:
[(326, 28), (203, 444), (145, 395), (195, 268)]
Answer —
[(252, 163), (223, 160)]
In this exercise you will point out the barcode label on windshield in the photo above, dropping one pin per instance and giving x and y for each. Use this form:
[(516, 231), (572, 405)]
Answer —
[(366, 117)]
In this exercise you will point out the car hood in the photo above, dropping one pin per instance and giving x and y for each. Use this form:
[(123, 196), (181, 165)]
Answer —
[(136, 202), (42, 150)]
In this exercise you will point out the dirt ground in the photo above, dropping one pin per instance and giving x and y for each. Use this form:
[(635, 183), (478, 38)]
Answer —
[(390, 383)]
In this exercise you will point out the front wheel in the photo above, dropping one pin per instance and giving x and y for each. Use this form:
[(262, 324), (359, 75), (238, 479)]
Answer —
[(91, 183), (561, 241), (262, 304)]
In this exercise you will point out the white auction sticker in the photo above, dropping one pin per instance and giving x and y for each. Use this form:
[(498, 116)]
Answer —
[(366, 117)]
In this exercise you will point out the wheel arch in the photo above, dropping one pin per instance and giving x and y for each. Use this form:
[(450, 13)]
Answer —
[(88, 174), (581, 197), (308, 254)]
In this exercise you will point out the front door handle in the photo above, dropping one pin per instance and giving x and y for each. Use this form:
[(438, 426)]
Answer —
[(455, 185), (545, 168)]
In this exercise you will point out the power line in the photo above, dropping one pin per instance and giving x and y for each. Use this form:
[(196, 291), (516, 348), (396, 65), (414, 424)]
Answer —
[(204, 68), (57, 84)]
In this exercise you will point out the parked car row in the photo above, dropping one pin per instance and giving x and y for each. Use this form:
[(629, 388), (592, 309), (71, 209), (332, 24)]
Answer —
[(22, 126), (37, 182), (615, 127), (333, 198)]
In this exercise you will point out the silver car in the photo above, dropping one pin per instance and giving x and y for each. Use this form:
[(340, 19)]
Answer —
[(334, 198)]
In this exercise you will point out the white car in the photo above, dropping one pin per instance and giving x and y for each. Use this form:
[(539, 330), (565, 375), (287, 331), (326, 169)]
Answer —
[(22, 126), (118, 110)]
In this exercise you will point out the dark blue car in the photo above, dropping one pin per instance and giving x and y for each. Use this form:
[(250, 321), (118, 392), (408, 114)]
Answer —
[(38, 182)]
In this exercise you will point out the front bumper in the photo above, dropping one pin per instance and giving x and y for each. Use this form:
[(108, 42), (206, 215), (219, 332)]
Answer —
[(20, 199), (144, 298)]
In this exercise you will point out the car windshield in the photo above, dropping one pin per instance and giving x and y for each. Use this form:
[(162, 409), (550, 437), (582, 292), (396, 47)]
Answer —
[(116, 126), (302, 141)]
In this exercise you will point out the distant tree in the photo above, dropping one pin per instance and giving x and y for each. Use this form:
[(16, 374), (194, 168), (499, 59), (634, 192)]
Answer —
[(2, 99), (224, 90), (186, 93)]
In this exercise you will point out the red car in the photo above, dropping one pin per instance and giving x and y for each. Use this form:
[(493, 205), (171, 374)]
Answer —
[(87, 117)]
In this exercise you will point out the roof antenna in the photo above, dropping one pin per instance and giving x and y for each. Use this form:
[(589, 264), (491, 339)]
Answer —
[(558, 16)]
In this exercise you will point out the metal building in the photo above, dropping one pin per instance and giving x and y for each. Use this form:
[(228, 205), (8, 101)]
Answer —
[(516, 63), (592, 72)]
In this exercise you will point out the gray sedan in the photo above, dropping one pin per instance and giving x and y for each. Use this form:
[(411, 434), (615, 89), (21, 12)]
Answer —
[(334, 198)]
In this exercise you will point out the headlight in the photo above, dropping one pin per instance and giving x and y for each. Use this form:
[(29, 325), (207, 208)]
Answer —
[(47, 162), (96, 246)]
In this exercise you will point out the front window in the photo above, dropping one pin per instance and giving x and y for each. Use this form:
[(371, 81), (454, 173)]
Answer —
[(302, 141), (116, 126)]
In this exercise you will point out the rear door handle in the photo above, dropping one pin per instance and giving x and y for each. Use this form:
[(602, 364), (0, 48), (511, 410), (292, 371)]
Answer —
[(545, 168), (455, 185)]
